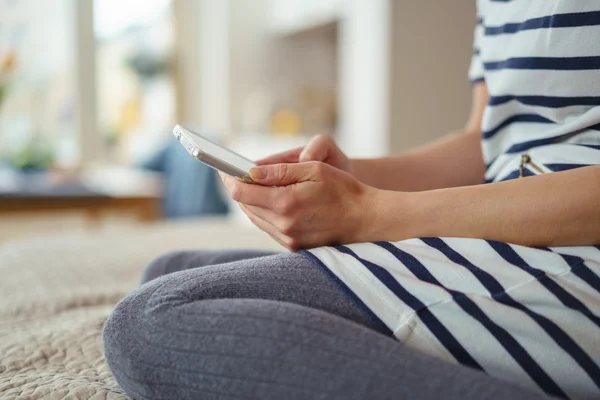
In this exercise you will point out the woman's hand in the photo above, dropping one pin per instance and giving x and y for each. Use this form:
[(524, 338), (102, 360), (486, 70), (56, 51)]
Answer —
[(320, 148), (307, 205)]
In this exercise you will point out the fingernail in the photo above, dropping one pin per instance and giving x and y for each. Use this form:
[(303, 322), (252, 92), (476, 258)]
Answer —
[(305, 156), (234, 191), (258, 173)]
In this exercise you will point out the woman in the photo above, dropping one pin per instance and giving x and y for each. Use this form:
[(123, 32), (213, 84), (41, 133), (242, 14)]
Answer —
[(505, 280)]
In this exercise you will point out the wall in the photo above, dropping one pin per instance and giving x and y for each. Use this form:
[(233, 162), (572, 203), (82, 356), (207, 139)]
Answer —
[(272, 68), (187, 28), (431, 50), (213, 71)]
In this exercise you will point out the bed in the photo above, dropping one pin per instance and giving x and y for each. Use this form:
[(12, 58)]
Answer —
[(56, 293)]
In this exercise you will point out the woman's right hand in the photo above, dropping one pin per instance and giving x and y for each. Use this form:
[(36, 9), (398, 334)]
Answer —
[(320, 148)]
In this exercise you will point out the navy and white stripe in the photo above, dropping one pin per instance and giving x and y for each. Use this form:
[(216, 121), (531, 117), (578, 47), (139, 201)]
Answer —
[(510, 344), (526, 315), (541, 65)]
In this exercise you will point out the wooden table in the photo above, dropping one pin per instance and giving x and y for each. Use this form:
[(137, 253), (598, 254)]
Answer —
[(96, 192), (144, 207)]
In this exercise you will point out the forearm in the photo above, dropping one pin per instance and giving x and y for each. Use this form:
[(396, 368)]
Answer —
[(454, 160), (558, 209)]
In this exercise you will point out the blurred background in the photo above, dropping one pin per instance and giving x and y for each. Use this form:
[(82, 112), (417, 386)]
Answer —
[(90, 90)]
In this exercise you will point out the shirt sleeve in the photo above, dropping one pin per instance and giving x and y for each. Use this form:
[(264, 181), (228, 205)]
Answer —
[(476, 70)]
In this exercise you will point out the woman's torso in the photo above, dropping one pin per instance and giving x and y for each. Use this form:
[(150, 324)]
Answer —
[(540, 60)]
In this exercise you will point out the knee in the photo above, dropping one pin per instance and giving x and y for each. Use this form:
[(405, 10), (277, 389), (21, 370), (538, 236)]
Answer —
[(163, 265), (139, 324), (134, 318), (118, 342), (124, 338)]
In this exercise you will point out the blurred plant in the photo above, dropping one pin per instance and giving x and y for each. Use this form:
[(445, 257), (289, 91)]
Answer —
[(148, 66), (6, 68), (37, 154)]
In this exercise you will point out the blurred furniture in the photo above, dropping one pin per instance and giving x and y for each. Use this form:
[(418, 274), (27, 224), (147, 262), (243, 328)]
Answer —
[(56, 293), (95, 191), (190, 188), (145, 207)]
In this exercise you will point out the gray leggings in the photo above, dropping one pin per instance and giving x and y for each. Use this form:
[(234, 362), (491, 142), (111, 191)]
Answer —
[(246, 325)]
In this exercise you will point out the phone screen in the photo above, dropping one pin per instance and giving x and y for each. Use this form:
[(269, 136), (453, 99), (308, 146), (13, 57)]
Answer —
[(220, 152)]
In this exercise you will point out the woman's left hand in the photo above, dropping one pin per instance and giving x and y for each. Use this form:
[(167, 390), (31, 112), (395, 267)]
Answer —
[(306, 205)]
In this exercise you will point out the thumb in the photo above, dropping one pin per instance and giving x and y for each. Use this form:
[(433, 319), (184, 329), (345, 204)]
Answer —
[(284, 174), (317, 149)]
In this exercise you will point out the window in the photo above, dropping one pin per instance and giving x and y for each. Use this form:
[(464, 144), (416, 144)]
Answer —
[(48, 53), (134, 69), (36, 87)]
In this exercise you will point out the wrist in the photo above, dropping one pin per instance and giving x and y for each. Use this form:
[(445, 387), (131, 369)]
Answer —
[(351, 166), (392, 216), (360, 169)]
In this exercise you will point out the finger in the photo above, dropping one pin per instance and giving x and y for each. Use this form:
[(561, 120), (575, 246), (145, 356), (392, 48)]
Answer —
[(266, 227), (286, 174), (289, 156), (317, 149), (266, 214), (269, 224), (246, 193), (287, 234)]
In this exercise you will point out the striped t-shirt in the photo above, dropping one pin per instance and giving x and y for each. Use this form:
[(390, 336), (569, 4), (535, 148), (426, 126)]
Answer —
[(526, 315), (540, 60)]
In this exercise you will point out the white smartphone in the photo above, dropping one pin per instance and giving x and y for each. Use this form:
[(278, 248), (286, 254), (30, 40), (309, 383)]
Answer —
[(214, 155)]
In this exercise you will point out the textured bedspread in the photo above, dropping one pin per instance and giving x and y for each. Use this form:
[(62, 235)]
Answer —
[(56, 293)]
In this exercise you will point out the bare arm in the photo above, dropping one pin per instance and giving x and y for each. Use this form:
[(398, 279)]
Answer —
[(313, 204), (558, 209), (453, 160)]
